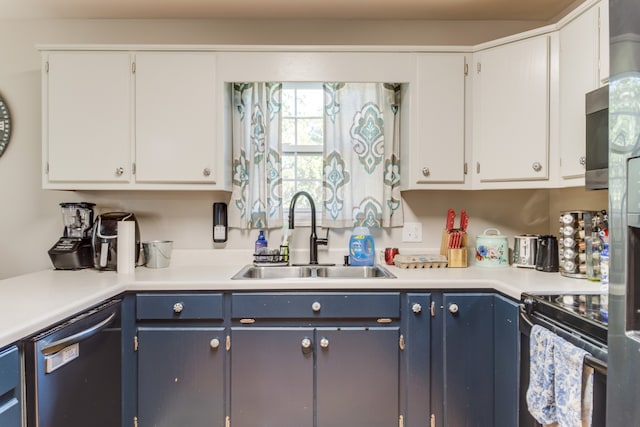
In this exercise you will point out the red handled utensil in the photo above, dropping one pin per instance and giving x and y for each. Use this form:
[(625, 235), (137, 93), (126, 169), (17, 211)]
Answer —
[(451, 216), (464, 220)]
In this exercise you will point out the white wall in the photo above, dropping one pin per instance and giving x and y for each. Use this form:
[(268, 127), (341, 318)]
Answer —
[(30, 220)]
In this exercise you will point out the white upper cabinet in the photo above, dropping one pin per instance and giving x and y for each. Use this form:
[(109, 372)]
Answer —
[(584, 66), (175, 117), (511, 113), (579, 47), (603, 27), (132, 120), (434, 155), (87, 115)]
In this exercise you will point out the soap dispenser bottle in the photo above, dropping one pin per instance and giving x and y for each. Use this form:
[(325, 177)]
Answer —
[(361, 247)]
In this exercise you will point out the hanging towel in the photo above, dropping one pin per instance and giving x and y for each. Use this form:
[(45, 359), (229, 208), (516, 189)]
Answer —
[(541, 391), (573, 385)]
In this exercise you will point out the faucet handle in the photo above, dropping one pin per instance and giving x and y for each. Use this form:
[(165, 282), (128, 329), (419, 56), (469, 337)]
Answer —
[(323, 240)]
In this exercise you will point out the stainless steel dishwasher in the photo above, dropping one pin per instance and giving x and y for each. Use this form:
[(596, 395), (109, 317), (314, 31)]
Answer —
[(73, 371)]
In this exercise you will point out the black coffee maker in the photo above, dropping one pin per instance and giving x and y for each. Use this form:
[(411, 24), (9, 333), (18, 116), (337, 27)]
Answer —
[(547, 258), (104, 239), (73, 250)]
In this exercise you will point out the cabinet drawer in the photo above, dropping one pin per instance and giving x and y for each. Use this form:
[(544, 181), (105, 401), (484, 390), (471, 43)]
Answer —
[(179, 306), (9, 370), (322, 306), (10, 413)]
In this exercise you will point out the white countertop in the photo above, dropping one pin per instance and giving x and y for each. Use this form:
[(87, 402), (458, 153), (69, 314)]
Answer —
[(35, 301)]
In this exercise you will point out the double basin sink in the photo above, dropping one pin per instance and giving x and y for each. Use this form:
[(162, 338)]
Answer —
[(313, 271)]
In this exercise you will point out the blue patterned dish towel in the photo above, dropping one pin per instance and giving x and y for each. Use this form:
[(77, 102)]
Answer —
[(560, 387)]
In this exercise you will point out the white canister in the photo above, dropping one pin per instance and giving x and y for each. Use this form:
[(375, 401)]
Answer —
[(492, 249)]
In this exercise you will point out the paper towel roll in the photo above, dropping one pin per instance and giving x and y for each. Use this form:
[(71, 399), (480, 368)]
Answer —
[(126, 247)]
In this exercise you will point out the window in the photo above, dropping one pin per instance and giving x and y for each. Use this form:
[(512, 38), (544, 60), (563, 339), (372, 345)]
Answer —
[(302, 142)]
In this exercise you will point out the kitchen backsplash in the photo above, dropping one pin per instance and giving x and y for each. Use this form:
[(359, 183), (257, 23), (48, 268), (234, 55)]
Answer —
[(186, 217)]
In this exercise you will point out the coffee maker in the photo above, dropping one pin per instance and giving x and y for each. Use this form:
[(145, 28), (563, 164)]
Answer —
[(104, 239), (73, 250)]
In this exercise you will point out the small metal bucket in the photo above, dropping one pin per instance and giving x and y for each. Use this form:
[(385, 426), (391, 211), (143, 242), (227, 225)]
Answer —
[(157, 253)]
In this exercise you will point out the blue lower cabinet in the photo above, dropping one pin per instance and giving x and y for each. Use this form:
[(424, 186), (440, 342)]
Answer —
[(357, 376), (415, 361), (306, 377), (272, 377), (506, 362), (10, 394), (181, 376), (468, 360), (479, 360)]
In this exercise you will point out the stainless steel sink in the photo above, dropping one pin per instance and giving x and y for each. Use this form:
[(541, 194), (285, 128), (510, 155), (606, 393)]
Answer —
[(313, 271)]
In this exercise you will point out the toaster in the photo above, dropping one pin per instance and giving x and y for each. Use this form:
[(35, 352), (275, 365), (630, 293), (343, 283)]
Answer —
[(525, 247)]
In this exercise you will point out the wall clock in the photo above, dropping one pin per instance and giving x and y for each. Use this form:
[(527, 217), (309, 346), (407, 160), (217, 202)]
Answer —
[(5, 126)]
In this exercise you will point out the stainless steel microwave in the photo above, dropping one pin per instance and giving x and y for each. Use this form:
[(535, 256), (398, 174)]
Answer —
[(597, 139)]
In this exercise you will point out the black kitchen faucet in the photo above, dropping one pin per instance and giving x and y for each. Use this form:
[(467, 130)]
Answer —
[(314, 240)]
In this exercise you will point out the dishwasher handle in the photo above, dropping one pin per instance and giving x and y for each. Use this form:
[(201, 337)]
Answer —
[(61, 344)]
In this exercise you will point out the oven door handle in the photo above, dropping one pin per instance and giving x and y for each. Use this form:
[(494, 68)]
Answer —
[(63, 343), (589, 360)]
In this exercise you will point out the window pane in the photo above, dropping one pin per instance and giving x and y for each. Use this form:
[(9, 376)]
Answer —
[(288, 190), (289, 166), (314, 188), (288, 131), (309, 166), (288, 102), (310, 132), (310, 102)]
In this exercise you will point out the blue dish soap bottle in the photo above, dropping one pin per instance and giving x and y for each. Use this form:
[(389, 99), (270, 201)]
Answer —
[(361, 247), (260, 247)]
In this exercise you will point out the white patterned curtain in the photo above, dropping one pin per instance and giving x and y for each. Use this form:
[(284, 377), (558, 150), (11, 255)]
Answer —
[(362, 155), (256, 198)]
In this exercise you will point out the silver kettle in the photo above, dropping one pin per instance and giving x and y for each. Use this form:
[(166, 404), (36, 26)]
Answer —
[(525, 247)]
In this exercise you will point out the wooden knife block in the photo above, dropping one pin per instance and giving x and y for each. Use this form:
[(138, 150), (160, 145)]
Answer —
[(455, 257)]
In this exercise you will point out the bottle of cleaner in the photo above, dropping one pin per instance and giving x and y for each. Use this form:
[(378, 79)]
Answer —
[(260, 247), (361, 247)]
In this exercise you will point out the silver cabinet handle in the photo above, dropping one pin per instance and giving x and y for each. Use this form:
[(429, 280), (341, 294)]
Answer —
[(178, 307), (206, 172), (453, 308), (305, 343), (214, 343), (416, 308), (316, 306), (537, 166), (120, 171), (426, 171), (583, 160), (324, 342)]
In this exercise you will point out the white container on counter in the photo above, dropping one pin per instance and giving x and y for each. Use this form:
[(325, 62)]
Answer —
[(492, 249)]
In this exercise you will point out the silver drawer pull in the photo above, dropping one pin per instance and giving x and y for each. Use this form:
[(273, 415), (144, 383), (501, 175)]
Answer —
[(178, 307)]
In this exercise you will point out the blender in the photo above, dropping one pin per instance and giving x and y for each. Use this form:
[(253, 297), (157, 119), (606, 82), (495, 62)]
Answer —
[(73, 250)]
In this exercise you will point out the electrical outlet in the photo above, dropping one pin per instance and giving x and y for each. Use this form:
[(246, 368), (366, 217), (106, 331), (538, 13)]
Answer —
[(412, 232)]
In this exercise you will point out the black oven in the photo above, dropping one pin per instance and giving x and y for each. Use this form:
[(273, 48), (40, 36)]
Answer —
[(597, 139), (577, 319)]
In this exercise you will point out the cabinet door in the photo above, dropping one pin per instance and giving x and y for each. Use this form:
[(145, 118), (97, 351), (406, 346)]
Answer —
[(416, 359), (579, 45), (357, 377), (181, 376), (10, 389), (506, 362), (272, 377), (436, 152), (468, 355), (175, 117), (511, 111), (87, 117)]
